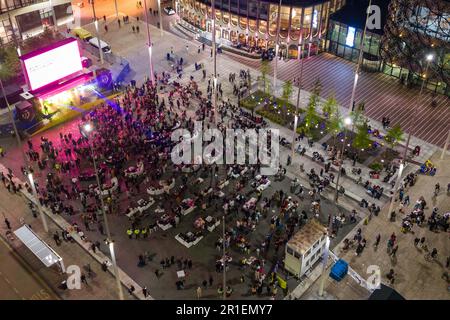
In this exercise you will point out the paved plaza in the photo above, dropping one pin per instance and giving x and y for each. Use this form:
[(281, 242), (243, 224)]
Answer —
[(416, 278)]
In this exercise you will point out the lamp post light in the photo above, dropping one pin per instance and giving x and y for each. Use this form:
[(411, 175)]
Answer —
[(86, 130), (160, 17), (25, 160), (97, 34), (214, 49), (294, 129), (326, 253), (224, 260), (117, 10), (149, 40), (412, 124), (277, 47), (360, 57), (347, 123), (447, 141), (55, 22)]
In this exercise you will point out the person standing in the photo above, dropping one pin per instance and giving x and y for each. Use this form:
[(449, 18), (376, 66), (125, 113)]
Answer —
[(416, 242), (199, 292)]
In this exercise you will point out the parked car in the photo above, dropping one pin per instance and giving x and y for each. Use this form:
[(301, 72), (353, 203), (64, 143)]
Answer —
[(169, 11), (105, 47), (82, 34)]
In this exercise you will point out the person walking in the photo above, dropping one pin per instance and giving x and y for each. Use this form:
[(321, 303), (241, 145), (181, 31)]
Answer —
[(131, 289), (132, 28), (377, 241), (106, 28), (144, 292), (199, 292), (394, 251), (56, 238), (437, 188), (422, 244), (83, 278), (416, 242), (137, 29), (211, 280), (8, 224), (391, 276)]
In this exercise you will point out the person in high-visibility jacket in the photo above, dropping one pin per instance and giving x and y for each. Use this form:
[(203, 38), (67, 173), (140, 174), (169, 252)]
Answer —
[(136, 232), (144, 232), (129, 232)]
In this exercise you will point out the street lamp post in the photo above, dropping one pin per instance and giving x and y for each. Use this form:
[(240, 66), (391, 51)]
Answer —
[(347, 122), (294, 129), (55, 22), (360, 57), (213, 21), (152, 76), (160, 17), (412, 123), (87, 128), (117, 10), (29, 174), (97, 34), (277, 46), (444, 151), (224, 260), (326, 253)]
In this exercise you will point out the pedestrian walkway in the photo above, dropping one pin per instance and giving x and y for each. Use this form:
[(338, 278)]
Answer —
[(416, 278)]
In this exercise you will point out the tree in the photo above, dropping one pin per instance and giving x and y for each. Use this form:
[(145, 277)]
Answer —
[(287, 90), (357, 117), (394, 135), (10, 64), (362, 138), (330, 106), (265, 69), (335, 122), (311, 117)]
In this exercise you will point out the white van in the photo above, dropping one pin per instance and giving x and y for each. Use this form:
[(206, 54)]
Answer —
[(105, 47)]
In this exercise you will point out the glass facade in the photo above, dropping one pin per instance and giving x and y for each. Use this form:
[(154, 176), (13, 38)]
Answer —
[(345, 41), (8, 5), (255, 23), (30, 19)]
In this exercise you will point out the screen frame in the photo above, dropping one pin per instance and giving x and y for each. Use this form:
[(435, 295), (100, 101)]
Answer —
[(41, 51)]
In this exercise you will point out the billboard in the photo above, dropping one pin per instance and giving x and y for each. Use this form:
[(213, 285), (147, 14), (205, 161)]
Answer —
[(51, 65)]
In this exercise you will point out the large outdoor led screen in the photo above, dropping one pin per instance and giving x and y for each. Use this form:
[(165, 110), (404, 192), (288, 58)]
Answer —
[(51, 64)]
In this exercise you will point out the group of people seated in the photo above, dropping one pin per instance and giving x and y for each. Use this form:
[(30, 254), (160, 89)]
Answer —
[(375, 191)]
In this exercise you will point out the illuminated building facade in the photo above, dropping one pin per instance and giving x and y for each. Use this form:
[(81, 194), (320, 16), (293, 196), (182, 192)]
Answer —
[(253, 24), (25, 18), (415, 29)]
